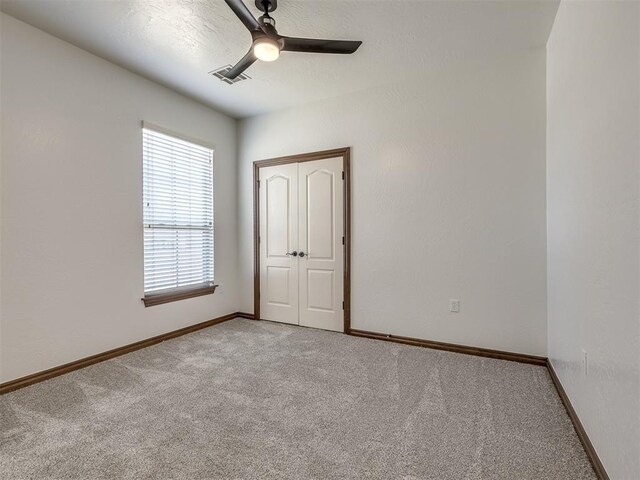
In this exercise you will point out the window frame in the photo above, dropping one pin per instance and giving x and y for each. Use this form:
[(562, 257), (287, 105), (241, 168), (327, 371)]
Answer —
[(174, 294)]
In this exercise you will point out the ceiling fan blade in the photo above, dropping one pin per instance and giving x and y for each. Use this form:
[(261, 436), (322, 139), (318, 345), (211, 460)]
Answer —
[(241, 66), (243, 13), (313, 45)]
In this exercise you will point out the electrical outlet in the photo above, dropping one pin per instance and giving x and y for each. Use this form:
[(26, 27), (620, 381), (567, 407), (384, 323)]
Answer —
[(585, 363), (454, 305)]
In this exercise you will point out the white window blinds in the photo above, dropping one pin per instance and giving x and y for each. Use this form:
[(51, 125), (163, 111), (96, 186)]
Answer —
[(178, 212)]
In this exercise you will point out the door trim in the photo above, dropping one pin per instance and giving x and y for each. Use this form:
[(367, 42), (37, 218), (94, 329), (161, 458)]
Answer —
[(345, 153)]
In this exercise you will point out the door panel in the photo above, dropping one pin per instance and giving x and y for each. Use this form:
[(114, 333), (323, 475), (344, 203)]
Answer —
[(278, 285), (320, 213), (320, 290), (278, 190), (279, 236)]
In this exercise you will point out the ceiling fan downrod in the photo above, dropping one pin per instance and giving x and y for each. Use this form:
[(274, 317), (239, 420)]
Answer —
[(267, 20)]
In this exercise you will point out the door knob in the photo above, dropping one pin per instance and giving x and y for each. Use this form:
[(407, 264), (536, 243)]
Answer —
[(301, 254), (294, 254)]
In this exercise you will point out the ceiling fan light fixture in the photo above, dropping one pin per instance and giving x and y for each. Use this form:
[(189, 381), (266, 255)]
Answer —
[(267, 42), (266, 50)]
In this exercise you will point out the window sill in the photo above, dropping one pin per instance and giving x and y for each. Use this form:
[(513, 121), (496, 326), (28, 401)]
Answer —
[(177, 294)]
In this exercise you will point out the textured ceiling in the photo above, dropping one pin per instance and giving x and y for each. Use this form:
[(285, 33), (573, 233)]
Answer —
[(177, 42)]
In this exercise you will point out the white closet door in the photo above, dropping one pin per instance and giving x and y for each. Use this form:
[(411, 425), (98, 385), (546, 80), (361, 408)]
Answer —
[(279, 236), (320, 211)]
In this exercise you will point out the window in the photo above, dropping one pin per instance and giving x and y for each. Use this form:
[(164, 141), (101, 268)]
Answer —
[(178, 217)]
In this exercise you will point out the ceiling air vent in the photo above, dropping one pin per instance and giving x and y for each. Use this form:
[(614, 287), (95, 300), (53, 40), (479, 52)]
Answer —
[(219, 73)]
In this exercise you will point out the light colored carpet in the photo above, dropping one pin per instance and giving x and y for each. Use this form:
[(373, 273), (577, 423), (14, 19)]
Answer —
[(259, 400)]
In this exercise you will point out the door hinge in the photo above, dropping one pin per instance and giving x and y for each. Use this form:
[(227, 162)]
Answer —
[(343, 305), (258, 183), (343, 175), (343, 240)]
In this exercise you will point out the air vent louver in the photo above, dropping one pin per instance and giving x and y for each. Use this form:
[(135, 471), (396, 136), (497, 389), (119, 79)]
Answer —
[(219, 73)]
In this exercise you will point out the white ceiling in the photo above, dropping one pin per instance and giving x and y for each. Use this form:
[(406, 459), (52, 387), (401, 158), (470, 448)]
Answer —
[(177, 42)]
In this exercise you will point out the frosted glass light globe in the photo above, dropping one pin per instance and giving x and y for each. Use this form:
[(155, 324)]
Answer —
[(266, 51)]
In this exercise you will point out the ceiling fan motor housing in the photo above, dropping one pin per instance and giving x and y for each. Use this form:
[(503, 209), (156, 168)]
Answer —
[(268, 25)]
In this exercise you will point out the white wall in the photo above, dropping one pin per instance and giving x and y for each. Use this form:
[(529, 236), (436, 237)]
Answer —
[(448, 199), (593, 156), (71, 208)]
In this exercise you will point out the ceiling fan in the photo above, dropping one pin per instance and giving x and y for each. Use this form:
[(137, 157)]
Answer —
[(267, 43)]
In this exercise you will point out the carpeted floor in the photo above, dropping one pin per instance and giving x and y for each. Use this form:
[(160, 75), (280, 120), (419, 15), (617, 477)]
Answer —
[(260, 400)]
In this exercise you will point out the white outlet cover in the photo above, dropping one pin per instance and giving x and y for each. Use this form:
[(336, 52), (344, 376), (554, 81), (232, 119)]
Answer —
[(454, 305)]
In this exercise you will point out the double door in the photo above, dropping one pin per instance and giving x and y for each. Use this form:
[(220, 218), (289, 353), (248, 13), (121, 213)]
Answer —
[(301, 243)]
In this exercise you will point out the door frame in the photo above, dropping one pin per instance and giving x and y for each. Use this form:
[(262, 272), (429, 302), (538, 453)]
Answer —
[(345, 153)]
